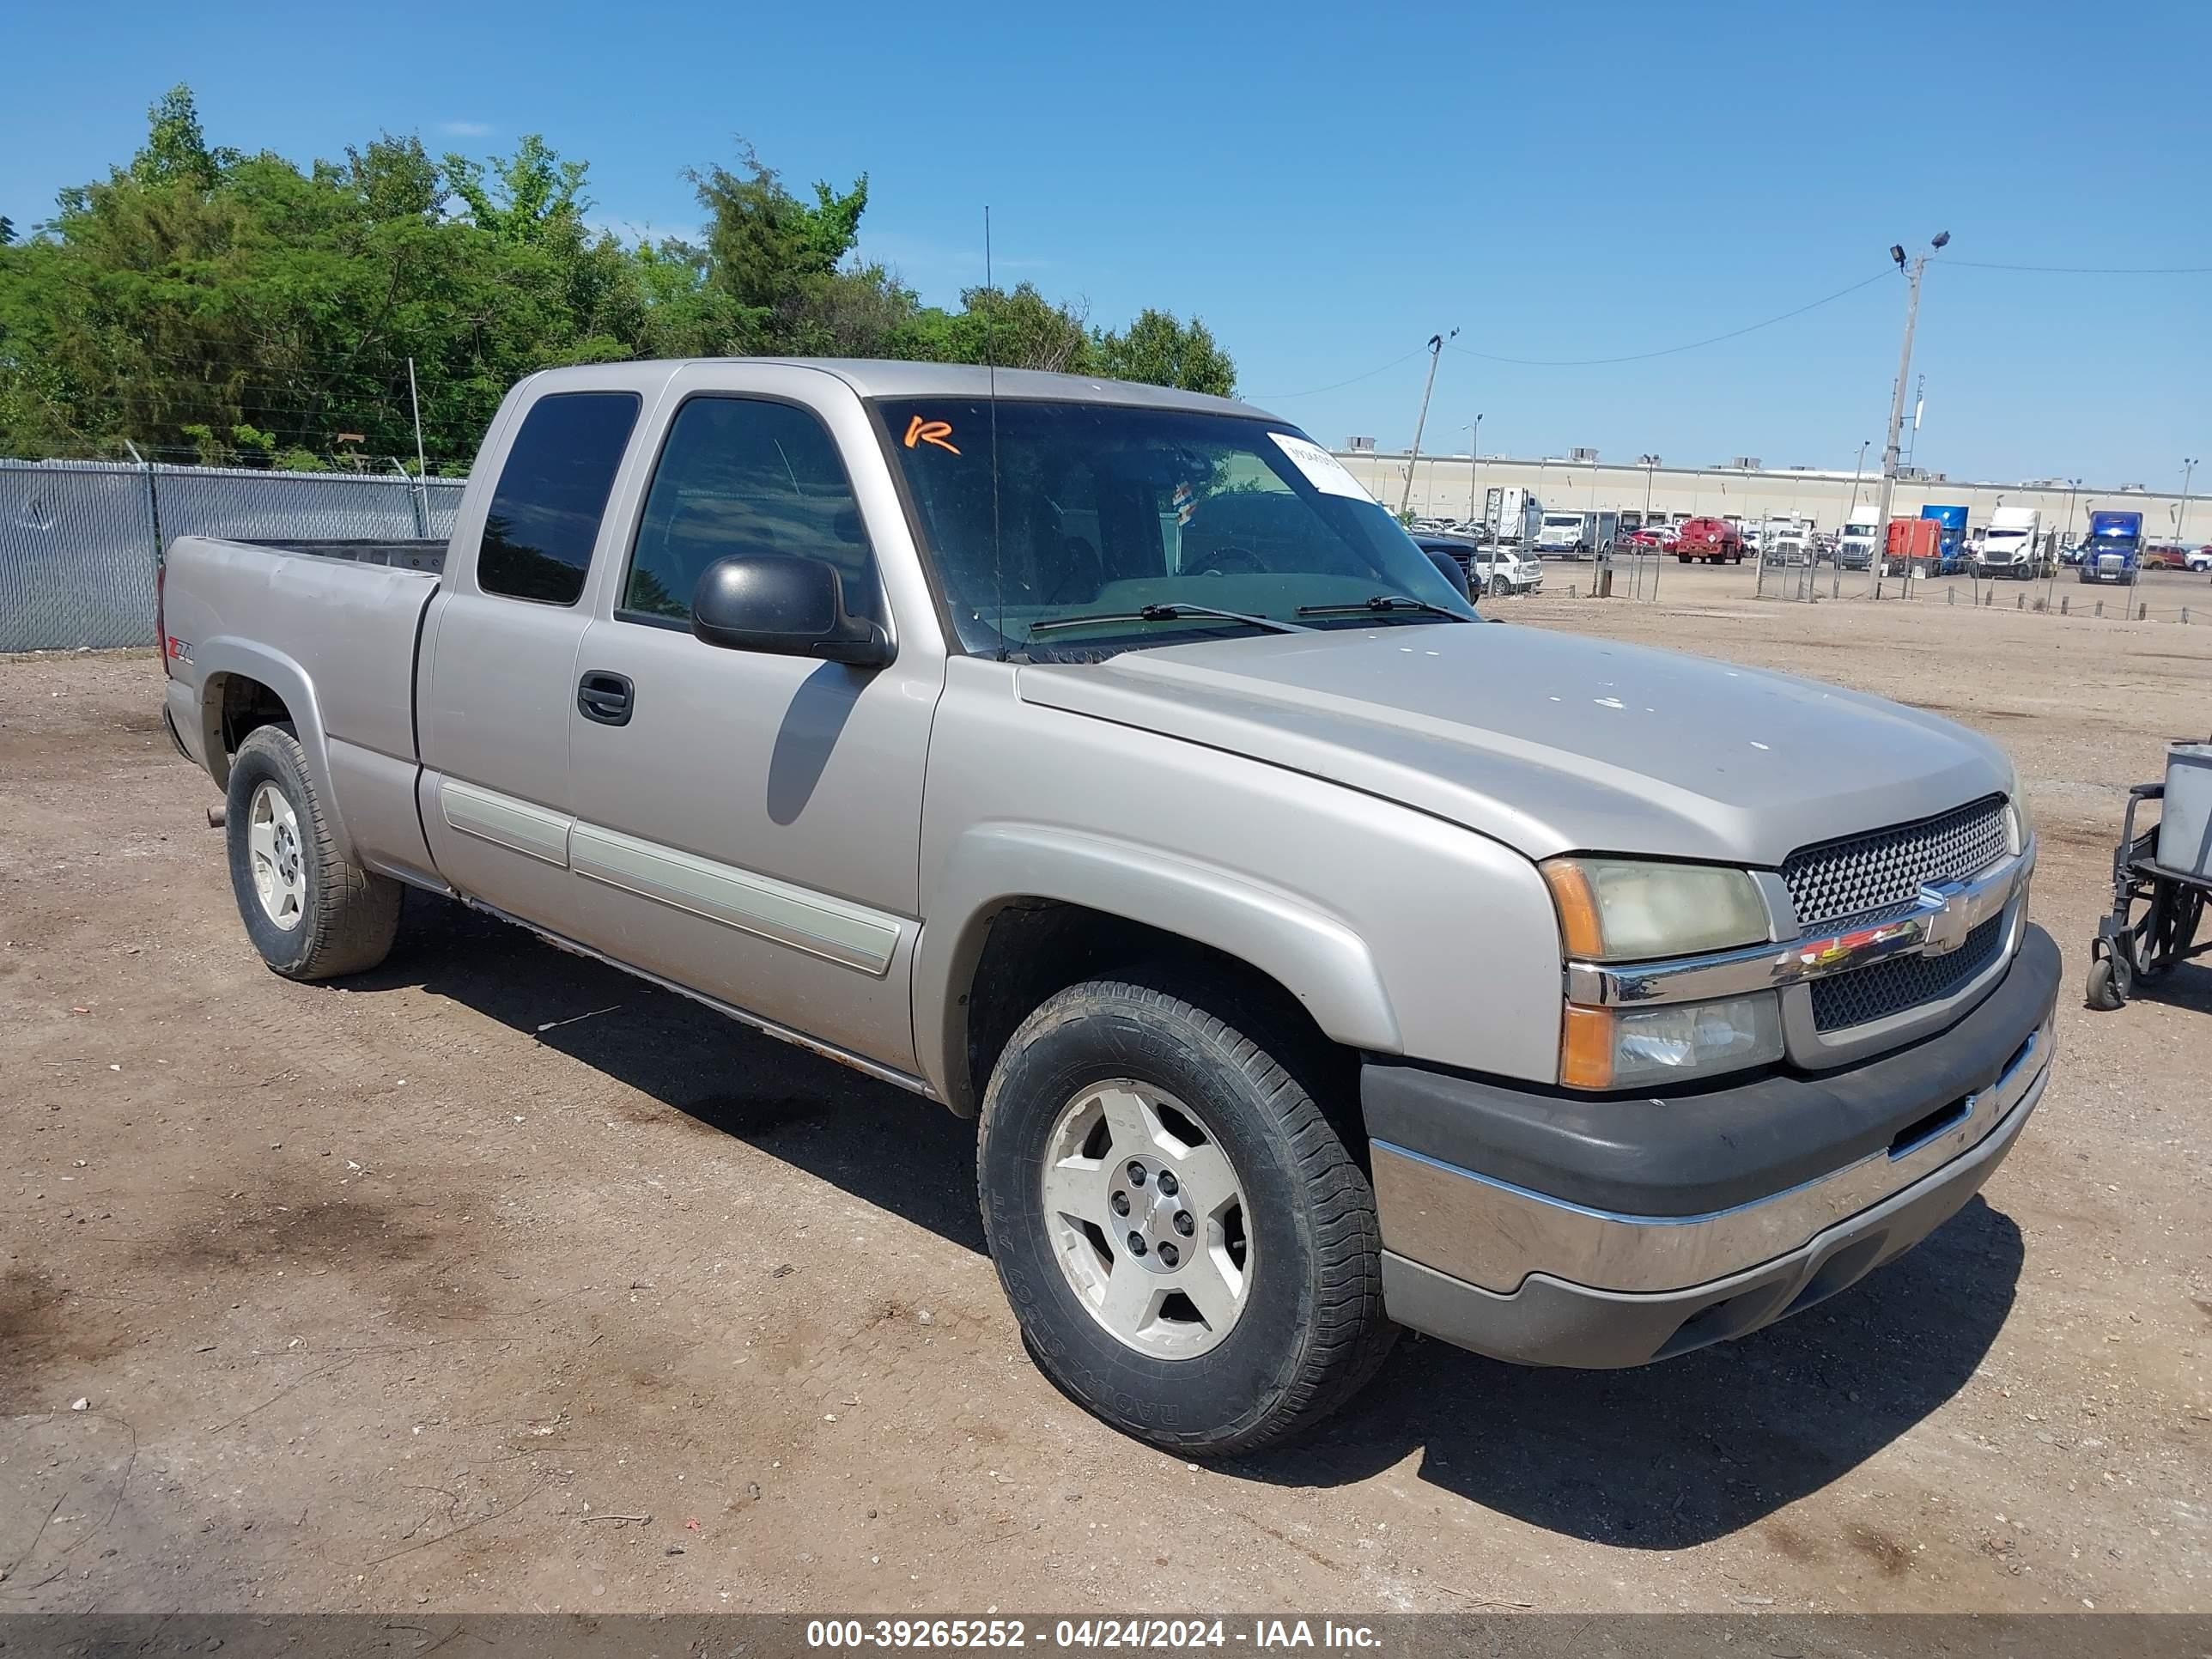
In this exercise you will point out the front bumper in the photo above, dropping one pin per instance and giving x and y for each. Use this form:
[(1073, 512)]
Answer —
[(1560, 1231)]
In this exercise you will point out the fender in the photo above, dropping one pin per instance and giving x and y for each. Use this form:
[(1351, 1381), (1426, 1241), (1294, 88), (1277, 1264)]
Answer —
[(227, 654), (1316, 955)]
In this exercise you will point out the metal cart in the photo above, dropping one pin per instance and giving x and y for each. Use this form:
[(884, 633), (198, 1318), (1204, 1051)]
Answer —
[(2135, 946)]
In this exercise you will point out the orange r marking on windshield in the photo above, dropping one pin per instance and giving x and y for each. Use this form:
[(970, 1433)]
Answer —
[(919, 431)]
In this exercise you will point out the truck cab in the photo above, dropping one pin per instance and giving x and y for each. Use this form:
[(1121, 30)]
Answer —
[(2012, 546), (2113, 549)]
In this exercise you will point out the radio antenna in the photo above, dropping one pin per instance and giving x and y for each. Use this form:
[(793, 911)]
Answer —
[(991, 370)]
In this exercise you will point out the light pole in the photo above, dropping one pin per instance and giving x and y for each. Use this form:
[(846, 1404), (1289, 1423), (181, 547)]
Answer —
[(2181, 509), (2050, 590), (1474, 454), (1836, 588), (1650, 465), (1912, 273), (1413, 460)]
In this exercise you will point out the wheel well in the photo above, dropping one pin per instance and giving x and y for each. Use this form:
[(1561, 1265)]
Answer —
[(245, 704), (1035, 947)]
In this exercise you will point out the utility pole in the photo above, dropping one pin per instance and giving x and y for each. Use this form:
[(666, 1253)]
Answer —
[(2181, 510), (421, 466), (1919, 403), (1412, 461), (1913, 274), (1474, 454)]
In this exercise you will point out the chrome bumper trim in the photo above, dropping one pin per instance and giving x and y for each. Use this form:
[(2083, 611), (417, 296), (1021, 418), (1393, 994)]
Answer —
[(1494, 1234), (1936, 925)]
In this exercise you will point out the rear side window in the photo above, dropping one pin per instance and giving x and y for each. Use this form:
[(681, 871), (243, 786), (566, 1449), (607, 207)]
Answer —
[(552, 494), (741, 476)]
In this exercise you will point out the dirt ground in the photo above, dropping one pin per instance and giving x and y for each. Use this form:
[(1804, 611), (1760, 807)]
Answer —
[(498, 1281)]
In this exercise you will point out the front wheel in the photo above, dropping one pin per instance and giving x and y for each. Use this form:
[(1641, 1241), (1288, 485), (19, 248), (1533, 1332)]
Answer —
[(1190, 1249)]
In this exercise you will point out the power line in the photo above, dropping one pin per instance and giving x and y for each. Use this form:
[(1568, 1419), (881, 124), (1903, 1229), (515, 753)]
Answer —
[(1669, 351), (1286, 397), (2087, 270)]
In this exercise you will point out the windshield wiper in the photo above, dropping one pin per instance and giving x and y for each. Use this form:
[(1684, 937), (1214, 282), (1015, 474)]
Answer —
[(1381, 602), (1168, 613)]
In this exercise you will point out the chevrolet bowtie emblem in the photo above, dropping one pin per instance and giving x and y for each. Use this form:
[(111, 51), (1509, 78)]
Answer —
[(1945, 927)]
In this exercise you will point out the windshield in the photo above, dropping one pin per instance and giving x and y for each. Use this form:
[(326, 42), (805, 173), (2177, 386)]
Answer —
[(1563, 521), (2003, 535), (1103, 511)]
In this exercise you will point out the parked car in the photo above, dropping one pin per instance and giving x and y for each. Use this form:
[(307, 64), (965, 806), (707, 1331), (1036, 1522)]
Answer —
[(1127, 780), (2165, 555), (1715, 541), (2200, 559)]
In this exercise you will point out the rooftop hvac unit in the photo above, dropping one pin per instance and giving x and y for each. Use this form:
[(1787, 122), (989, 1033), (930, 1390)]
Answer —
[(1359, 445), (1584, 455), (1746, 463)]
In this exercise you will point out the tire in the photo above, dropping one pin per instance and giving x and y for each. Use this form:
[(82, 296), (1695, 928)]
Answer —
[(1307, 1328), (2104, 991), (1682, 558), (326, 915), (1499, 588)]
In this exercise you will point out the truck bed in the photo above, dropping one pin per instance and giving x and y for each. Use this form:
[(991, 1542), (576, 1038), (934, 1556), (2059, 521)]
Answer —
[(332, 630)]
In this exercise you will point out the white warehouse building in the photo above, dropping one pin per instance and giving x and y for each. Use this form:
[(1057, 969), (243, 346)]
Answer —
[(1445, 485)]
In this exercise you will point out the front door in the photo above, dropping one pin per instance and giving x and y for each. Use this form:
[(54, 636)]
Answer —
[(748, 824)]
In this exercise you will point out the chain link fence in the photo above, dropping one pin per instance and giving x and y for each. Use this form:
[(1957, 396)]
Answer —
[(79, 540)]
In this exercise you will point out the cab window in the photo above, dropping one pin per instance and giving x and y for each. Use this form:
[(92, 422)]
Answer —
[(743, 475)]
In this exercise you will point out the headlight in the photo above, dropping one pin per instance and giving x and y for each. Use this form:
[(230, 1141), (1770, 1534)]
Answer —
[(2019, 826), (1643, 1048), (1628, 910)]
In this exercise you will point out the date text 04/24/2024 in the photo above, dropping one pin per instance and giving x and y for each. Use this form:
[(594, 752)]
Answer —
[(1086, 1633)]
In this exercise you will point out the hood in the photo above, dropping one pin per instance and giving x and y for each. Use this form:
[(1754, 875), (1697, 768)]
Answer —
[(1550, 743)]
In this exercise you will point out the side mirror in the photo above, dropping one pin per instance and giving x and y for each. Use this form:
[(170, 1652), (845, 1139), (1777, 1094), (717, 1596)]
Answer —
[(1449, 569), (788, 607)]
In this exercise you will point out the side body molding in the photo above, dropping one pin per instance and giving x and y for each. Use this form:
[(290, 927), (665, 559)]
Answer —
[(1316, 957)]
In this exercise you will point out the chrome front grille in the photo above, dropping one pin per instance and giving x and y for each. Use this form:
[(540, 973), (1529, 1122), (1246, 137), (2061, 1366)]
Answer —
[(1891, 988), (1867, 878)]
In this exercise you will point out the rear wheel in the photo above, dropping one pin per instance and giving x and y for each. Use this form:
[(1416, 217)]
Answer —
[(1190, 1249), (1499, 588), (311, 913)]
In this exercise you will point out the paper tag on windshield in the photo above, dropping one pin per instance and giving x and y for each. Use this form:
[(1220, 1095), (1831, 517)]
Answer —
[(1323, 469)]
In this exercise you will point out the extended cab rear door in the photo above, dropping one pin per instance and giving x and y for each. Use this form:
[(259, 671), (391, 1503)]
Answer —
[(749, 824), (499, 679)]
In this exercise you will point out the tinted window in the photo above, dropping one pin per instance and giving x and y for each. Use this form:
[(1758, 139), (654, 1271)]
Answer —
[(741, 476), (552, 494)]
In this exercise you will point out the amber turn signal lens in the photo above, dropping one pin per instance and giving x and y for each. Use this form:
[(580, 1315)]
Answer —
[(1586, 1047), (1577, 907)]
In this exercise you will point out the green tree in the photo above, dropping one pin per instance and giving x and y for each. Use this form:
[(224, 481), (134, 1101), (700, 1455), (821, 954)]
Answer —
[(176, 151), (531, 197), (197, 295), (1159, 350)]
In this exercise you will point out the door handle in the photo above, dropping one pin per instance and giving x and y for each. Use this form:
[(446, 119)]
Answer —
[(604, 697)]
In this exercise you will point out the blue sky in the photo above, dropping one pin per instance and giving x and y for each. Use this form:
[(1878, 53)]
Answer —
[(1329, 186)]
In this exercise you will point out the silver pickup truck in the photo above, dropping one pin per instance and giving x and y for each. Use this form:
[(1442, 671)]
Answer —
[(1102, 762)]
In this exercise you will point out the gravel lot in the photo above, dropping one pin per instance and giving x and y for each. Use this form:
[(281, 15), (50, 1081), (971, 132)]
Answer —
[(497, 1281)]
